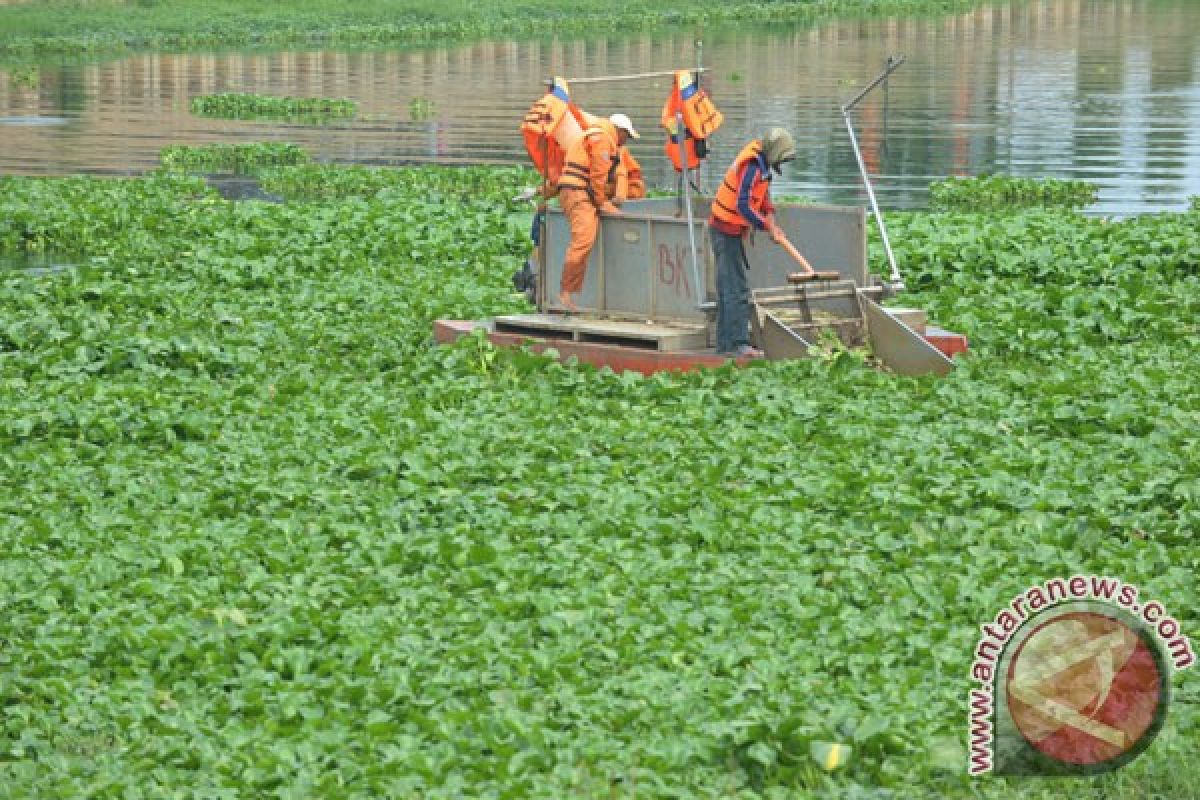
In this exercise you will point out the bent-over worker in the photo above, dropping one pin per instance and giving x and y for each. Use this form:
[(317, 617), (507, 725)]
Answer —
[(591, 164), (743, 202), (629, 183)]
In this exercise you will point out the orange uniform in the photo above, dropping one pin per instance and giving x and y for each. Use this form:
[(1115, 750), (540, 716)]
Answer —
[(629, 185), (592, 163)]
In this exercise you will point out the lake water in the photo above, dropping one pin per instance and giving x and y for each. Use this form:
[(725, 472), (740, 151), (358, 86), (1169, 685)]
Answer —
[(1103, 90)]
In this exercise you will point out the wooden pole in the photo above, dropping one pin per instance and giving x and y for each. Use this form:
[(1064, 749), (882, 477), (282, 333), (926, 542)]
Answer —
[(790, 249)]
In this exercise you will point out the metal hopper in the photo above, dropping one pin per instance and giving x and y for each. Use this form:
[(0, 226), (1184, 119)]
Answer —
[(791, 322)]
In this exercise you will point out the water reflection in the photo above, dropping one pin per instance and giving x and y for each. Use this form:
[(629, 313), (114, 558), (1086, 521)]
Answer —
[(1105, 90), (30, 122)]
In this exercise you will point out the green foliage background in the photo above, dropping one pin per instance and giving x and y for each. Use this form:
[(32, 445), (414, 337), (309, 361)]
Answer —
[(1001, 192), (262, 538), (234, 105), (93, 27), (241, 159)]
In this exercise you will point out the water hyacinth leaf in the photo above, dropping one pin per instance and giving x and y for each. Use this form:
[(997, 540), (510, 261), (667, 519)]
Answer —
[(263, 536), (234, 105), (159, 27), (1006, 192), (830, 755), (236, 158)]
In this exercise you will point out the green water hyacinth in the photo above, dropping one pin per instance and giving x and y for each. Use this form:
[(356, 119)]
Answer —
[(69, 27), (465, 186), (1006, 192), (263, 539), (27, 76), (255, 106), (242, 159)]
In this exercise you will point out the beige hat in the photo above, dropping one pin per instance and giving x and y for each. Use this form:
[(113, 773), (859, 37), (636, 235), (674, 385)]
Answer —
[(623, 122), (778, 146)]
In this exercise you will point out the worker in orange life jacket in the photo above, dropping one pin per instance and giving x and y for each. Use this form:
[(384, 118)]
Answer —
[(591, 164), (743, 203), (629, 183)]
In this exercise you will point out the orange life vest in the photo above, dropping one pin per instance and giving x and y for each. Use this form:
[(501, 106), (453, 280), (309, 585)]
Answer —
[(629, 183), (700, 120), (542, 126), (597, 142), (725, 204)]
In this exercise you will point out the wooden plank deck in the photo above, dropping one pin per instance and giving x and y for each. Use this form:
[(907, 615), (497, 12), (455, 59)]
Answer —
[(661, 337), (614, 356)]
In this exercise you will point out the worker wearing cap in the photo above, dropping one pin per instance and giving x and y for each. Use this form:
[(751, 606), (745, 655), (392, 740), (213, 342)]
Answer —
[(591, 163), (743, 203)]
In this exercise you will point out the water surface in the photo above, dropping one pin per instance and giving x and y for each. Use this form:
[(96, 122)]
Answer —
[(1104, 90)]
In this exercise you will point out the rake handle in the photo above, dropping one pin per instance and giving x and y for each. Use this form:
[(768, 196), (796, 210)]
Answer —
[(809, 273), (790, 249)]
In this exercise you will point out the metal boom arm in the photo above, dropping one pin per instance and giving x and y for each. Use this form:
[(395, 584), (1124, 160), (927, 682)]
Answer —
[(895, 281)]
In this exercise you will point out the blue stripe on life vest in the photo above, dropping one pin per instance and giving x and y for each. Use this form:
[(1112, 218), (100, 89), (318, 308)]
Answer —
[(561, 94), (687, 93)]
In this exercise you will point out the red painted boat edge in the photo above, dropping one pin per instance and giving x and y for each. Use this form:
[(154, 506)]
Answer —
[(630, 359), (947, 342), (616, 357)]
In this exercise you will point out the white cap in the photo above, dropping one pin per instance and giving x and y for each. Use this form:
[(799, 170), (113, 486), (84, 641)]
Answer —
[(623, 122)]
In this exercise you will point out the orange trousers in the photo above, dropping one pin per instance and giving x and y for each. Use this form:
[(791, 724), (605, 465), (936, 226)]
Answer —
[(584, 220)]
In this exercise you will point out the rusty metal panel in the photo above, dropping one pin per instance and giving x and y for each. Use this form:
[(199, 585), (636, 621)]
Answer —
[(655, 206), (830, 237), (837, 299), (558, 236), (676, 293), (777, 340), (900, 347), (630, 285), (641, 265)]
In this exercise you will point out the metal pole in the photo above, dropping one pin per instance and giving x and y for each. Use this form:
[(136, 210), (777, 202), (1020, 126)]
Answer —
[(887, 97), (543, 222), (606, 78), (699, 69), (687, 203), (891, 66), (895, 281)]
